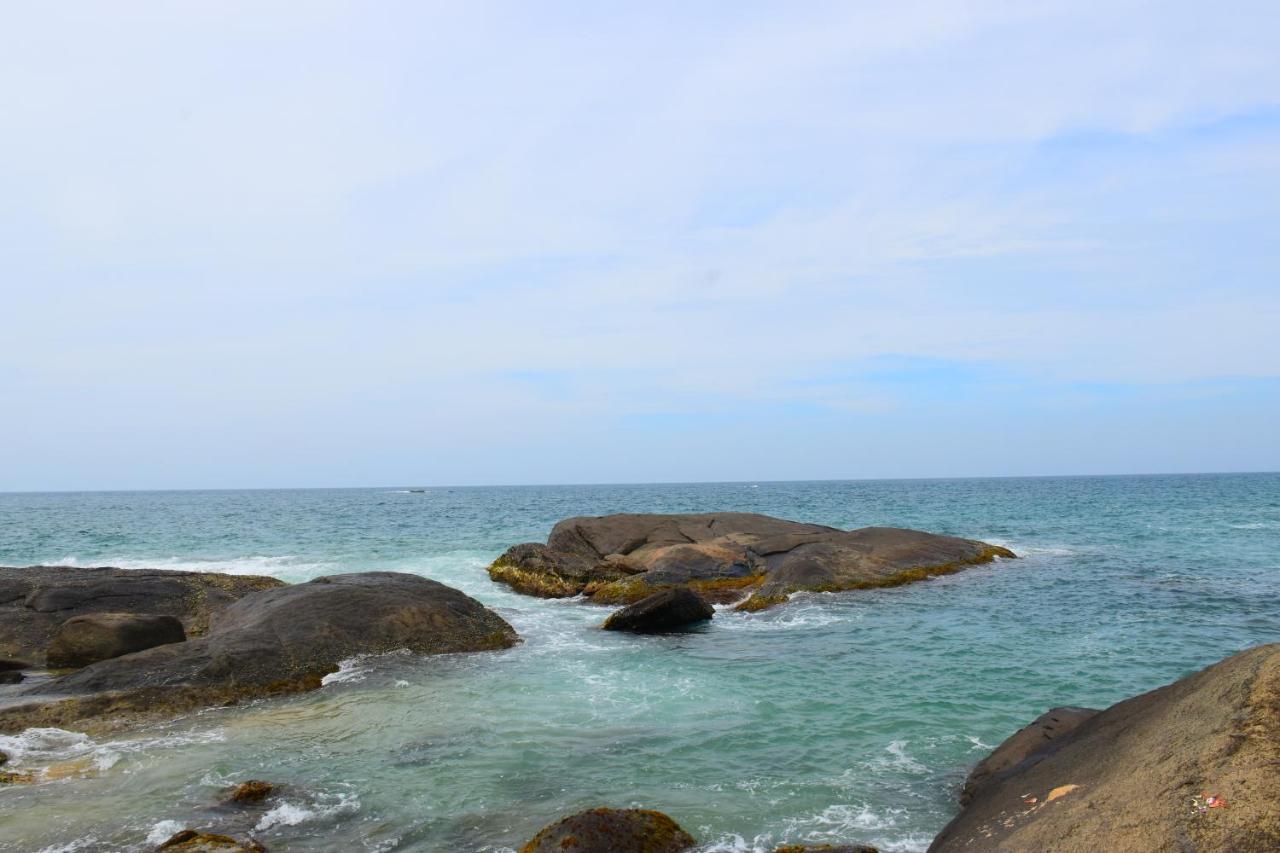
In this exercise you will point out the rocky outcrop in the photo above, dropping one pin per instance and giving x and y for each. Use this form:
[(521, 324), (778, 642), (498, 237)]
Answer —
[(36, 600), (620, 559), (83, 640), (194, 841), (1194, 765), (665, 610), (612, 831), (276, 641)]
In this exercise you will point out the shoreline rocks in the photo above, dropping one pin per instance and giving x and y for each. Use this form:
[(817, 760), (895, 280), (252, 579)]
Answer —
[(35, 601), (1193, 765), (279, 640), (755, 560)]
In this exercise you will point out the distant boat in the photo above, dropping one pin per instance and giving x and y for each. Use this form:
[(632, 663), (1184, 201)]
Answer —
[(417, 491)]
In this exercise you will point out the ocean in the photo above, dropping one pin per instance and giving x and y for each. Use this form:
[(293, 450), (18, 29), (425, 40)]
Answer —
[(848, 717)]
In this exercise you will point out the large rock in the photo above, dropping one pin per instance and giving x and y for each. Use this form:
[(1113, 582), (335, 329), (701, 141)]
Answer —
[(83, 640), (612, 831), (665, 610), (620, 559), (275, 641), (36, 600), (1030, 743), (1194, 765)]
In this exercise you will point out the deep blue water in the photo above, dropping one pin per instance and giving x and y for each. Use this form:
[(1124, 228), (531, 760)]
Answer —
[(848, 717)]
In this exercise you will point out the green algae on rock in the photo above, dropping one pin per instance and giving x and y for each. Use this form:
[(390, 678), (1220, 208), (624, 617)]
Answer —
[(756, 560)]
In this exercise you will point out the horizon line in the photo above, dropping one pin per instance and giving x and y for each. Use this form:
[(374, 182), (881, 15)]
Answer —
[(403, 486)]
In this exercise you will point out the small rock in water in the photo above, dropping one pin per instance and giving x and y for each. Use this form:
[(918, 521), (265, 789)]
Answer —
[(11, 677), (253, 791), (666, 610), (93, 637), (10, 664), (4, 759), (612, 831), (10, 777), (193, 841)]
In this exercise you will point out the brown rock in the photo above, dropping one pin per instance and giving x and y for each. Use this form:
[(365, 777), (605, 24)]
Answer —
[(727, 557), (194, 841), (1139, 776), (1030, 743), (83, 640), (253, 791), (612, 831)]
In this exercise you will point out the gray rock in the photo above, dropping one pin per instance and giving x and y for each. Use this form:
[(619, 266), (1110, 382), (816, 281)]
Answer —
[(276, 641), (36, 600), (83, 640)]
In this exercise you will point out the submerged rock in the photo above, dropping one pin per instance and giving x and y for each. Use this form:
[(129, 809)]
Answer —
[(11, 677), (620, 559), (665, 610), (83, 640), (194, 841), (612, 831), (252, 791), (1189, 766), (36, 600), (279, 640)]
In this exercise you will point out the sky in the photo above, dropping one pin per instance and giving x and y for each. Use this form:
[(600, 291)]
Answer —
[(338, 244)]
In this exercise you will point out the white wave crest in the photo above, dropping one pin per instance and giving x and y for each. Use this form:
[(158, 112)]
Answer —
[(286, 567), (324, 807)]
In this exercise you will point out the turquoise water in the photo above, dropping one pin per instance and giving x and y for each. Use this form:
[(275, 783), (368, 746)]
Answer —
[(849, 717)]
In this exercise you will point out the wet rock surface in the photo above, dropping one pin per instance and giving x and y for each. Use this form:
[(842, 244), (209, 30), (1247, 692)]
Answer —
[(754, 559), (36, 600), (194, 841), (666, 610), (607, 830), (279, 640), (1189, 766)]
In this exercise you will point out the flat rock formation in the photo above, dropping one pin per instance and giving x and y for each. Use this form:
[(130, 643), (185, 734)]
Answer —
[(620, 559), (665, 610), (612, 831), (1192, 766), (36, 600), (83, 640), (275, 641)]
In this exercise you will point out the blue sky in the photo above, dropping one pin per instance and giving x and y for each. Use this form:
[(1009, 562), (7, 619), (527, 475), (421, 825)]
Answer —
[(413, 243)]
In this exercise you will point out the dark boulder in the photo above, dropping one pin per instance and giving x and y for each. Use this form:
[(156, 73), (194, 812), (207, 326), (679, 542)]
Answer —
[(665, 610), (279, 640), (11, 677), (612, 831), (83, 640), (1189, 766), (194, 841), (9, 665), (620, 559), (36, 600)]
